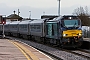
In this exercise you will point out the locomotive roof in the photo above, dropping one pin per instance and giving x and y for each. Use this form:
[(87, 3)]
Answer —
[(37, 21), (56, 19)]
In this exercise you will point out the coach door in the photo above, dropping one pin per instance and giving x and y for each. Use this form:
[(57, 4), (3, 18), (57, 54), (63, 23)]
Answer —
[(51, 29)]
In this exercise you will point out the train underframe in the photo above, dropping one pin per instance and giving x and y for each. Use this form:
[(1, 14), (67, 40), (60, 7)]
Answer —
[(72, 42), (62, 42)]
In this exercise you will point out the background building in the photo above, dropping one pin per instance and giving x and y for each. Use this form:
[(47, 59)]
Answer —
[(13, 17)]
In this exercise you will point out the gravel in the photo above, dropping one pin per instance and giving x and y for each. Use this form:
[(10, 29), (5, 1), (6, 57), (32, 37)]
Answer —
[(55, 52)]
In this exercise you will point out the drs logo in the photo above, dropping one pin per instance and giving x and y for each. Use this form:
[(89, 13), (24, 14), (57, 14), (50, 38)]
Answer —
[(2, 20)]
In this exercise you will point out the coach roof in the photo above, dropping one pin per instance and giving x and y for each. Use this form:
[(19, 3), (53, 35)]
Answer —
[(15, 22), (37, 21), (25, 22)]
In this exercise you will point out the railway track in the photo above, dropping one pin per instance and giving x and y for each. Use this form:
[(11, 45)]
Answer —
[(58, 53), (80, 52), (83, 54)]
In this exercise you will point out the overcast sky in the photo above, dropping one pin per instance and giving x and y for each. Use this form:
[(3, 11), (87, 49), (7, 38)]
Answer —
[(37, 7)]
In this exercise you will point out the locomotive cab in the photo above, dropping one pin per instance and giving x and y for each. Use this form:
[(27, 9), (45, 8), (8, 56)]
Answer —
[(71, 31)]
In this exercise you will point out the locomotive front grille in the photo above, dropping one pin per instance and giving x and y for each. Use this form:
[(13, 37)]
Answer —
[(72, 33)]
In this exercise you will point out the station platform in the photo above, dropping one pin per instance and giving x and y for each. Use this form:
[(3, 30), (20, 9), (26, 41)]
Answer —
[(13, 50)]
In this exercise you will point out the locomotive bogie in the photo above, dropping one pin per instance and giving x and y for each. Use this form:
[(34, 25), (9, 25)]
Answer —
[(72, 41)]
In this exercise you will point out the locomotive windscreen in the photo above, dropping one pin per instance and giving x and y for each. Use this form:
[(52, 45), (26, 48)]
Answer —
[(71, 23)]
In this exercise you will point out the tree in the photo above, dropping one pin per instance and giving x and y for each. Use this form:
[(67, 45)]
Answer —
[(83, 14)]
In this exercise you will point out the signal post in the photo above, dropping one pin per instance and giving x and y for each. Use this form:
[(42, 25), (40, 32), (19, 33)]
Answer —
[(3, 21)]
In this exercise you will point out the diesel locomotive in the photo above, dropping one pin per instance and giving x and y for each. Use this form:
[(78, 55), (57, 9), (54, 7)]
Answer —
[(64, 31)]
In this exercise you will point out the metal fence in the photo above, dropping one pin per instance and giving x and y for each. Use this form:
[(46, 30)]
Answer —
[(86, 31)]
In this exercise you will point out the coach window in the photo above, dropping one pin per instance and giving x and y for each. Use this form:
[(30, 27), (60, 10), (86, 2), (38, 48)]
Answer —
[(39, 28)]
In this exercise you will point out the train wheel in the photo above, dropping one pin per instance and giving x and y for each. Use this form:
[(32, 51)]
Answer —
[(60, 43), (42, 40)]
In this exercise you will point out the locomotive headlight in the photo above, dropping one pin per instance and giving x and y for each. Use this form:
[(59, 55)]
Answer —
[(79, 34), (64, 34)]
